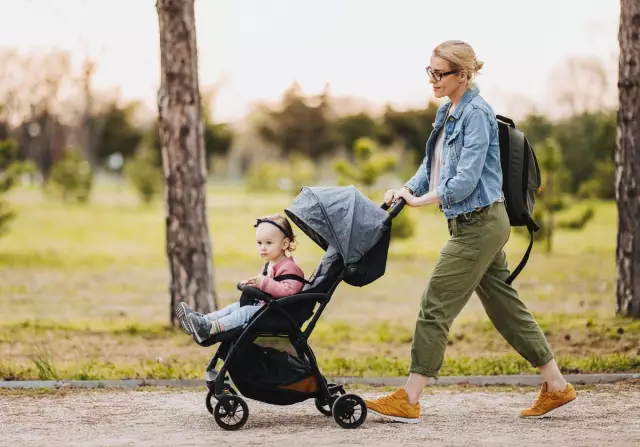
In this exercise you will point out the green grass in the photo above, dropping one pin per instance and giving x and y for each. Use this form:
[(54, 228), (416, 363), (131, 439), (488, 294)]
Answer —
[(358, 366), (83, 294)]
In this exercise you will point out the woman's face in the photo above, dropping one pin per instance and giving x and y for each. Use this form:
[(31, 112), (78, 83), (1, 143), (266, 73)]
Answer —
[(442, 79)]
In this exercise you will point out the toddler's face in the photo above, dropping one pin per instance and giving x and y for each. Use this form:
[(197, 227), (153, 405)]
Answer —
[(270, 241)]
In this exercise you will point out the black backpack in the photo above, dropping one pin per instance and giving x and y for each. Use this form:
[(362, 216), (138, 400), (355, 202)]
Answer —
[(520, 181)]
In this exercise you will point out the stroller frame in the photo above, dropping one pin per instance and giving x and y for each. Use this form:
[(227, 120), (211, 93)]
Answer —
[(216, 381), (330, 399), (348, 410)]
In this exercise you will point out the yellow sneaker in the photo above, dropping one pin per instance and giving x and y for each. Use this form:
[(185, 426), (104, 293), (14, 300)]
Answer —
[(549, 401), (395, 406)]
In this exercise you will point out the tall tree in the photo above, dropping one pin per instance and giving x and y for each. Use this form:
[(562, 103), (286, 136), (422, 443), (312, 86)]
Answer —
[(302, 125), (183, 159), (117, 132), (412, 127), (628, 161)]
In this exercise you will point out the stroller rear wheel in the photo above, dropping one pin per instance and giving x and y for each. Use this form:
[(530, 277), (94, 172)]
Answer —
[(231, 412), (349, 411), (211, 396)]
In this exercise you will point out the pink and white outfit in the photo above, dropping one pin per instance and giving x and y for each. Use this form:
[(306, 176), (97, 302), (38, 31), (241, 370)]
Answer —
[(278, 289), (234, 315)]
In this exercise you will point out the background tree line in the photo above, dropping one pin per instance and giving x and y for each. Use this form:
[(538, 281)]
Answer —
[(55, 121)]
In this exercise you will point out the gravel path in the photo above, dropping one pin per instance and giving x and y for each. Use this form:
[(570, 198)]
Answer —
[(602, 417)]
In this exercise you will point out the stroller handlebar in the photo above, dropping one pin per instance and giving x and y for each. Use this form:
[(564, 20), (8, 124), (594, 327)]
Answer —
[(395, 209)]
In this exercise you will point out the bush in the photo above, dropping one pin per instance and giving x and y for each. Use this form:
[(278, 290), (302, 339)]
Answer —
[(578, 223), (403, 227), (602, 185), (289, 176), (144, 175), (71, 178), (264, 177), (369, 165), (6, 216), (302, 173), (553, 198), (10, 171)]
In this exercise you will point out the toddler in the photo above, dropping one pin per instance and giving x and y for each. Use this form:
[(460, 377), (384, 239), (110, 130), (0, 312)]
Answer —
[(279, 277)]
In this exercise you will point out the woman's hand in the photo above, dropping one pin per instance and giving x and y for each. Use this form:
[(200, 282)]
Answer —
[(392, 195), (407, 196), (389, 196)]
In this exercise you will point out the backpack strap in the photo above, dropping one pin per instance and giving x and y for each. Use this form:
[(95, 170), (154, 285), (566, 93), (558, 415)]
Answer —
[(531, 227), (506, 120), (265, 270)]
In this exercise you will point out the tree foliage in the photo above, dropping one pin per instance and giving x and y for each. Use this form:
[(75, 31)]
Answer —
[(71, 178), (301, 125), (11, 169)]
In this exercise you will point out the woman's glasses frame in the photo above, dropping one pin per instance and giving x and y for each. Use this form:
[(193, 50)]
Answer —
[(436, 76)]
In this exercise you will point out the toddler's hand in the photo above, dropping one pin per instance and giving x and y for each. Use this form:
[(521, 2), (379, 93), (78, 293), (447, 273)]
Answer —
[(256, 281)]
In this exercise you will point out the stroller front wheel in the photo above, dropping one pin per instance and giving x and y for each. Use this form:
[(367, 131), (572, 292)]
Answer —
[(231, 412), (349, 411), (324, 407), (211, 395)]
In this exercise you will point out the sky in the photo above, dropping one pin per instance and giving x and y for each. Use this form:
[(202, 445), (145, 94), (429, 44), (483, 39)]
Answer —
[(370, 49)]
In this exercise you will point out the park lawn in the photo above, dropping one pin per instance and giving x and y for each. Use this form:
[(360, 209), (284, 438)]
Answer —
[(83, 294)]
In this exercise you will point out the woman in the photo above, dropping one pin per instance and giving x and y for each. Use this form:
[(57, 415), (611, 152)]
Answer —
[(461, 174)]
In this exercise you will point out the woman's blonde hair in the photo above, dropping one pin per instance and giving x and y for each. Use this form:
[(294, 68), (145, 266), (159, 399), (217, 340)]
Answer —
[(461, 56)]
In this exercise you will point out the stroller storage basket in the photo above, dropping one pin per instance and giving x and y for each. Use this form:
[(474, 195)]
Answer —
[(272, 376)]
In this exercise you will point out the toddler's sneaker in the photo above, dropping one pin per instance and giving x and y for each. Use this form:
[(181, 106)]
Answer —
[(395, 406), (200, 327), (182, 313), (550, 401)]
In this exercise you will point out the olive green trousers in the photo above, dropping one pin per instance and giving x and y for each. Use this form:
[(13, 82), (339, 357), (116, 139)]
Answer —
[(473, 259)]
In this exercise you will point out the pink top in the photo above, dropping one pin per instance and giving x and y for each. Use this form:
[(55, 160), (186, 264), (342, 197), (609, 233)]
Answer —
[(278, 289)]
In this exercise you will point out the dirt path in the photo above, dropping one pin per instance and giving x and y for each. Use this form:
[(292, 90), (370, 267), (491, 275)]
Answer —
[(603, 417)]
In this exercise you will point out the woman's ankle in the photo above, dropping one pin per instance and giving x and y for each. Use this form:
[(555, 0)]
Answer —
[(556, 385), (553, 377), (414, 397), (414, 387)]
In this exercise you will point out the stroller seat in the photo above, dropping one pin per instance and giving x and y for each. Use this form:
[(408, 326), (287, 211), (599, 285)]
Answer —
[(321, 282)]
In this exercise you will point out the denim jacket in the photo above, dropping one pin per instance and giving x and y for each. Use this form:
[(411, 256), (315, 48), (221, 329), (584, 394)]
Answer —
[(470, 175)]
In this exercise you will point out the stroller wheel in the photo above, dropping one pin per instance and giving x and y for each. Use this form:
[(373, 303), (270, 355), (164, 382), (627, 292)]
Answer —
[(231, 412), (207, 401), (349, 411), (324, 407), (211, 396)]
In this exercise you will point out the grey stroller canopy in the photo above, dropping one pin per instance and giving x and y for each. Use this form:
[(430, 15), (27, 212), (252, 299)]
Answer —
[(344, 219)]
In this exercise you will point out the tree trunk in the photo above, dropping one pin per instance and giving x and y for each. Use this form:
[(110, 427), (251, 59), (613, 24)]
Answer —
[(91, 128), (628, 162), (183, 160)]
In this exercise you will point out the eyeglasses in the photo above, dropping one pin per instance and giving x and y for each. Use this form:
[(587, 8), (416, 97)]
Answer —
[(436, 76)]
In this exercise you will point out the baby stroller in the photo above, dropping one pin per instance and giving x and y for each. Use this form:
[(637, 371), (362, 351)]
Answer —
[(269, 359)]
